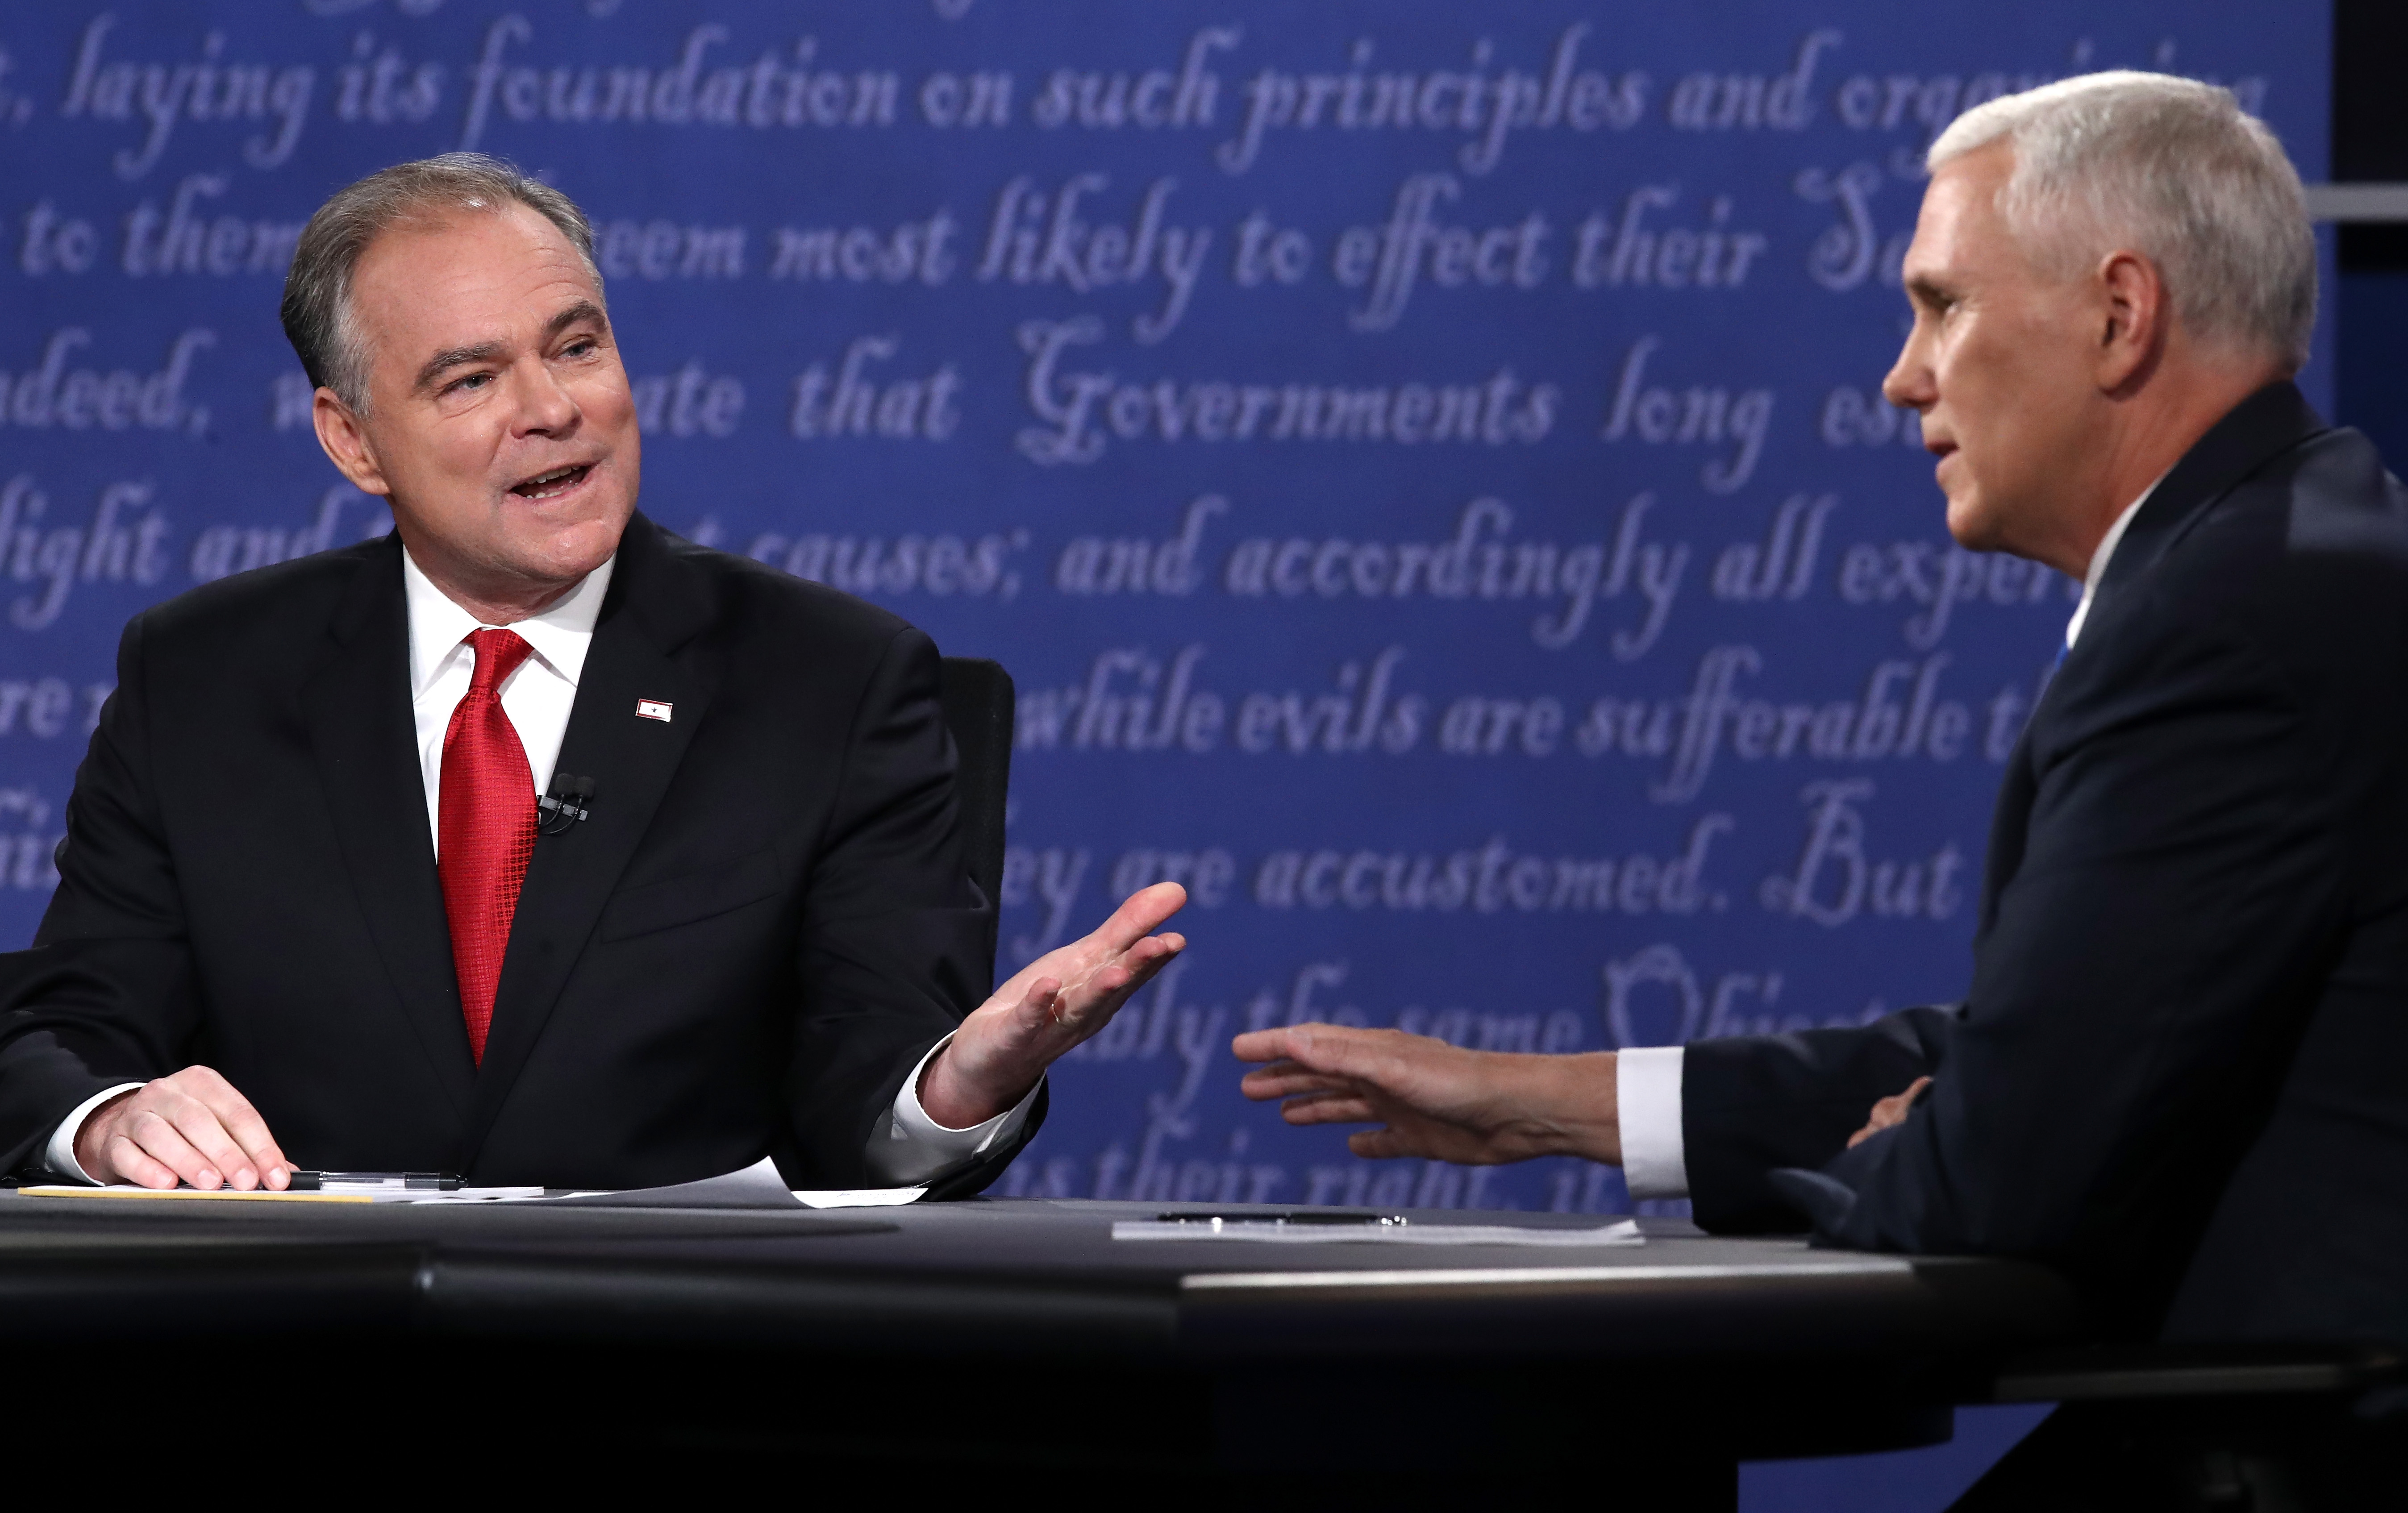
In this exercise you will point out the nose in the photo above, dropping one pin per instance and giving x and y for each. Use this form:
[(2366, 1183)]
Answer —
[(546, 407), (1910, 383)]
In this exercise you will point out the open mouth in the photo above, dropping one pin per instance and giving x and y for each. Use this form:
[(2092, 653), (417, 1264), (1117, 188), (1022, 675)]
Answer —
[(553, 484)]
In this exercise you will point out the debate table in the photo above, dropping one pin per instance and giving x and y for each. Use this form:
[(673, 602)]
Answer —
[(1008, 1337)]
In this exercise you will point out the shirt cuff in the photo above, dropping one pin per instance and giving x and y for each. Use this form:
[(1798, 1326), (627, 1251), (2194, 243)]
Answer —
[(58, 1155), (909, 1149), (1647, 1096)]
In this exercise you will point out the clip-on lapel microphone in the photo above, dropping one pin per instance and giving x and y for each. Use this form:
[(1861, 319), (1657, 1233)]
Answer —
[(566, 804)]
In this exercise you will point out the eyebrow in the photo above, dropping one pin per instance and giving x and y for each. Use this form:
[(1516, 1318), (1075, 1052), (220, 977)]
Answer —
[(485, 352), (584, 309), (455, 357)]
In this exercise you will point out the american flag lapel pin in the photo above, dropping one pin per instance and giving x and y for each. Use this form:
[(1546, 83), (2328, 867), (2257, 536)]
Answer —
[(653, 709)]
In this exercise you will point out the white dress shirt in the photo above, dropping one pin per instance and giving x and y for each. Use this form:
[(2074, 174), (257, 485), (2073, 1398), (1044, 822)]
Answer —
[(907, 1148), (1647, 1079)]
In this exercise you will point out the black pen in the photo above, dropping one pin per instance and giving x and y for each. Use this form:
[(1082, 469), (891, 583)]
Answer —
[(375, 1181), (1292, 1216)]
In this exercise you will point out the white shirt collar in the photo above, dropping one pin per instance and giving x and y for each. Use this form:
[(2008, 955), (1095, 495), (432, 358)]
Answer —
[(559, 635), (2107, 545)]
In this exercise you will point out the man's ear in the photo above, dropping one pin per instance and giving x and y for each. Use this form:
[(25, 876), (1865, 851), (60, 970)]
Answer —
[(346, 441), (2132, 319)]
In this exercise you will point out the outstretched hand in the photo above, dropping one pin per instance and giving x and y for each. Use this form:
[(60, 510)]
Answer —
[(1435, 1100), (1049, 1006)]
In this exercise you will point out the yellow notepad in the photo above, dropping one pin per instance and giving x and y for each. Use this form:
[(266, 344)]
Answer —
[(220, 1195)]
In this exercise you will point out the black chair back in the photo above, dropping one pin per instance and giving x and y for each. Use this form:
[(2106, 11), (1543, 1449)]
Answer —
[(978, 700)]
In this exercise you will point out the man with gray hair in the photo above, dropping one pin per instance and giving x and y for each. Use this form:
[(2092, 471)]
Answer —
[(312, 913), (2181, 1070)]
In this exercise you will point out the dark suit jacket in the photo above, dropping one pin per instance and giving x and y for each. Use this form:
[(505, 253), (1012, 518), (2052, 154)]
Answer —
[(765, 923), (2182, 1070)]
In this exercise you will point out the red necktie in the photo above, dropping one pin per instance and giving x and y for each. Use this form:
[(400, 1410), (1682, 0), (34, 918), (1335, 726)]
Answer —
[(486, 805)]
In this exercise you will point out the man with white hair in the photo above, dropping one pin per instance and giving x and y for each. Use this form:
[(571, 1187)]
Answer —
[(2181, 1071)]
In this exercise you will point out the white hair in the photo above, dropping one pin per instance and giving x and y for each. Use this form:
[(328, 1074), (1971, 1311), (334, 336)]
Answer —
[(2172, 169)]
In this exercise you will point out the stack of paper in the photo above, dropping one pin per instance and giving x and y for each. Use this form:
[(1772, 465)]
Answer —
[(757, 1186), (1274, 1231)]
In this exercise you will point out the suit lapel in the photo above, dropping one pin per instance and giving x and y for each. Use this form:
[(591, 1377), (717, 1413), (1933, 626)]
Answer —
[(356, 708), (2009, 820), (654, 606)]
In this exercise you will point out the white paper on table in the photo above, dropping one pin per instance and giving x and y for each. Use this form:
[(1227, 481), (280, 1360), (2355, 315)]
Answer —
[(1274, 1233), (757, 1186), (859, 1197)]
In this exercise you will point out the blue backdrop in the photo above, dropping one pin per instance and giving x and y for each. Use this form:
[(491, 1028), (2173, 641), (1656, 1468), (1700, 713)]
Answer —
[(1424, 464)]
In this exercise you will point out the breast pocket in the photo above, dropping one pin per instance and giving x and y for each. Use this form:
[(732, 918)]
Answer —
[(700, 895)]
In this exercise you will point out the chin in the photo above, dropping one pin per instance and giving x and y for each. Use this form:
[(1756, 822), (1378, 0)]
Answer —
[(573, 549), (589, 544), (1973, 526)]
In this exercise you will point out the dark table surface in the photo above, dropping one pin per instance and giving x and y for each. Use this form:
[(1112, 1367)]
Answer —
[(1707, 1349), (1019, 1273)]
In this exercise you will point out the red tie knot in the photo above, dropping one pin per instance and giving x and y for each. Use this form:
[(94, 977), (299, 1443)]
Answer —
[(498, 655)]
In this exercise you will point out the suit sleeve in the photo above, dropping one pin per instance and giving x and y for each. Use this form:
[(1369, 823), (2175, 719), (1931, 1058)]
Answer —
[(2147, 970), (106, 993), (893, 948), (1753, 1104)]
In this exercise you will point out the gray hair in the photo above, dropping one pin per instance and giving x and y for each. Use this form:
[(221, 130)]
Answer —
[(2172, 169), (317, 309)]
